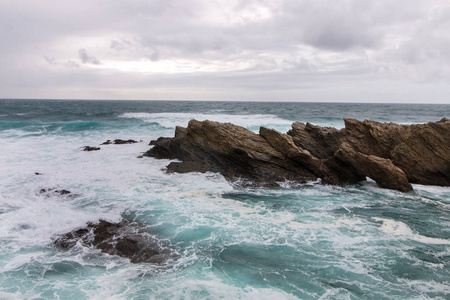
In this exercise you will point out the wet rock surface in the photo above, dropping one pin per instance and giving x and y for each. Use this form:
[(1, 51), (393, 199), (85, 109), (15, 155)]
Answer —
[(393, 155), (125, 239)]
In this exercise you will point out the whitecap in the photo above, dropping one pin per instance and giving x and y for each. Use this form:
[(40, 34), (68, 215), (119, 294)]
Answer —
[(171, 120), (401, 229)]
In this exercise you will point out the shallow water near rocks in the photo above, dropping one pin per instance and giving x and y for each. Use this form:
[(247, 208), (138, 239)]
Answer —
[(308, 241)]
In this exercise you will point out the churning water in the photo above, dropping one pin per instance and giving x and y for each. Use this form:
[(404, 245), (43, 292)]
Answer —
[(298, 242)]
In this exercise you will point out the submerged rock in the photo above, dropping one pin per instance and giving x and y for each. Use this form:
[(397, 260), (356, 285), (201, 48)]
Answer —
[(393, 155), (125, 239)]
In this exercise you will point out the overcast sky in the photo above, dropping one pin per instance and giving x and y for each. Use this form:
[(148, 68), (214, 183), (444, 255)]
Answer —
[(297, 50)]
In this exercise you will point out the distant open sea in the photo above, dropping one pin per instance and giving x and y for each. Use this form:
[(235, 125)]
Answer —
[(311, 241)]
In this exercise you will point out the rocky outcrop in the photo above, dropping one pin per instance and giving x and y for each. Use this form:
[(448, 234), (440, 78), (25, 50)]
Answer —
[(393, 155), (126, 239)]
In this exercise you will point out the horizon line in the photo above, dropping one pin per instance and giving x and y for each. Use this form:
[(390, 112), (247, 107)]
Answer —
[(230, 100)]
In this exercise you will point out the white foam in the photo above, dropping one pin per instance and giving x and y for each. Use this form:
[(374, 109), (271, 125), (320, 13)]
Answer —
[(401, 229), (11, 296), (171, 120)]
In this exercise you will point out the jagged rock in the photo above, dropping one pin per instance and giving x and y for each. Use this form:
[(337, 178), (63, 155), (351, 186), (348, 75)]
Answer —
[(90, 148), (422, 151), (393, 155), (126, 239), (230, 150), (321, 142)]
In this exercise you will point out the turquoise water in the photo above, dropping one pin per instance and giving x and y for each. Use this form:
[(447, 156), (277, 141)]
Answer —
[(299, 242)]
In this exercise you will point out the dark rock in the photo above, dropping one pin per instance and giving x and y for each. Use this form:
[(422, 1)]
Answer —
[(393, 155), (125, 239), (50, 191), (89, 148), (63, 192), (37, 173), (119, 142)]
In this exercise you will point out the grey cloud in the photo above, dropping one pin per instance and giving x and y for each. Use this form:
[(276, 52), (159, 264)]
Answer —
[(72, 64), (333, 25), (121, 44), (86, 58), (50, 60), (54, 62), (424, 54), (302, 64)]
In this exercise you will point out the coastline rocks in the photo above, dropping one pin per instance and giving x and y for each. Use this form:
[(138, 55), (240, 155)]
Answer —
[(393, 155), (125, 239)]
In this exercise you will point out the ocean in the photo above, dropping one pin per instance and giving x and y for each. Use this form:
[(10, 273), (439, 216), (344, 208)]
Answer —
[(309, 241)]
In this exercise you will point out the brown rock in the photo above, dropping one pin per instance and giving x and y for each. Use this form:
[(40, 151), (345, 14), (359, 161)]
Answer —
[(422, 151), (321, 142), (382, 170), (393, 155), (231, 150)]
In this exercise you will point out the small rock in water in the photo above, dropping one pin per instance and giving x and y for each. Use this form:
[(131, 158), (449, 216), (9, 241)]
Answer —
[(125, 239), (61, 192), (119, 142), (89, 148)]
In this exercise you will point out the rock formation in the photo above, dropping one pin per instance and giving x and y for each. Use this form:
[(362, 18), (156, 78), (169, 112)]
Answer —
[(393, 155), (125, 239)]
